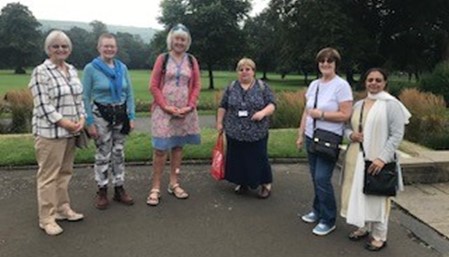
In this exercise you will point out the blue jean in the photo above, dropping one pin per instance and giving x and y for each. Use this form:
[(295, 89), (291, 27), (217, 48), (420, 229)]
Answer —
[(321, 169)]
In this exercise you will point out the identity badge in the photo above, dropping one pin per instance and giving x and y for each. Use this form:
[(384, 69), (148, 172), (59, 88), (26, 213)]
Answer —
[(243, 114)]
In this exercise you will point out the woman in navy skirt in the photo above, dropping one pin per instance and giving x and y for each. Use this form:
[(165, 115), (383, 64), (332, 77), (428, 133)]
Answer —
[(243, 115)]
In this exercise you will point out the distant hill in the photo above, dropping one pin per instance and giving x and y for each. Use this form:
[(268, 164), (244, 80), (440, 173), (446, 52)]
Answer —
[(145, 33)]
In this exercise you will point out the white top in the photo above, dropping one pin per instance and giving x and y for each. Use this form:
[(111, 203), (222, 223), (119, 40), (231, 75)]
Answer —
[(330, 95)]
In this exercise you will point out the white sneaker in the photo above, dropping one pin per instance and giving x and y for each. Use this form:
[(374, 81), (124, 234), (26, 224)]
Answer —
[(69, 215), (310, 217), (52, 229), (323, 229)]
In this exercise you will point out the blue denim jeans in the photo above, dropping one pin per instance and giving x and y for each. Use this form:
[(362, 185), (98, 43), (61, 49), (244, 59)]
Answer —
[(321, 169)]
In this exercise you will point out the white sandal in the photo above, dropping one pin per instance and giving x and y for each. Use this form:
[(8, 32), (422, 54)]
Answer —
[(177, 191), (154, 197)]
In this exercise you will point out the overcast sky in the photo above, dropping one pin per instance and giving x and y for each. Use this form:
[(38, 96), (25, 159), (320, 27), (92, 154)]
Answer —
[(139, 13)]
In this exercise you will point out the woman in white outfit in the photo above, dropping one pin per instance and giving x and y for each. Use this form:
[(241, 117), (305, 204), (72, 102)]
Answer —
[(383, 123)]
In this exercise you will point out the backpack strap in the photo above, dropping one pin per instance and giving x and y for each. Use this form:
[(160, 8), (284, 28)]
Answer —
[(261, 84), (164, 63), (190, 57)]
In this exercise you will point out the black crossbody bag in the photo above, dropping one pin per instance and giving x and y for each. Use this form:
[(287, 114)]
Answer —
[(115, 114), (324, 143), (385, 183)]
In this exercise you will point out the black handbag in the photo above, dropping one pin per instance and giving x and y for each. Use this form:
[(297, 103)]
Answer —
[(324, 143), (384, 183), (115, 114)]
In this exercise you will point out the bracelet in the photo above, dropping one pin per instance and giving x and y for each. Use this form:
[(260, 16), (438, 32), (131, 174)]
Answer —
[(322, 116)]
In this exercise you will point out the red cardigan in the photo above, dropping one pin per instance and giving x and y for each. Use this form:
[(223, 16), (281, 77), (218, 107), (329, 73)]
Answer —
[(157, 82)]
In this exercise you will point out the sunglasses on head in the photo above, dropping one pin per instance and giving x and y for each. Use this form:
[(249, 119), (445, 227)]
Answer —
[(180, 27)]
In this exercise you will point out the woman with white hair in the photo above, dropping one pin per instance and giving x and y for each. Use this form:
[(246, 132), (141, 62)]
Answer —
[(175, 85), (58, 116)]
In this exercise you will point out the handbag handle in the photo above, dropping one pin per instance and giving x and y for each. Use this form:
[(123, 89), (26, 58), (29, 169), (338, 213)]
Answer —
[(219, 143)]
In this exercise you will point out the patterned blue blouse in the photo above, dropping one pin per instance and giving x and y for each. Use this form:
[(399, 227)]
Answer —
[(240, 106)]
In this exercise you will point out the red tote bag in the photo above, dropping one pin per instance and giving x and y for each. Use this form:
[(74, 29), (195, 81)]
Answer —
[(218, 162)]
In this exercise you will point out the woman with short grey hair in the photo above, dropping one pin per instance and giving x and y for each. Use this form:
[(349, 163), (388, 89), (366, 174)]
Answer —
[(58, 116)]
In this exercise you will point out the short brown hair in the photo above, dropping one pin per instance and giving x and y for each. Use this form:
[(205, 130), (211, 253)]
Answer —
[(329, 53)]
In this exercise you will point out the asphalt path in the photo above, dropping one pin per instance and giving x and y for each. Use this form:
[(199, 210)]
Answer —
[(212, 222)]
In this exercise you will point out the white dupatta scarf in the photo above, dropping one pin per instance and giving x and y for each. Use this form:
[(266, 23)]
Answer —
[(361, 207)]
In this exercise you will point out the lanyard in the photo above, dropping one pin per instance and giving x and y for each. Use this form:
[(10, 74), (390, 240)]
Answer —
[(178, 69)]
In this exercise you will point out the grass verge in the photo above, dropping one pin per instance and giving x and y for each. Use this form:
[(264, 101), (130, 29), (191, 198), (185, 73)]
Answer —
[(18, 149)]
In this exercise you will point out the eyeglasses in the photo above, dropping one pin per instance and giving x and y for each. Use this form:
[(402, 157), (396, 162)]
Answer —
[(326, 60), (60, 46), (378, 80)]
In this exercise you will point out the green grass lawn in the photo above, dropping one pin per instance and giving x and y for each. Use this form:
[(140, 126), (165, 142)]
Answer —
[(138, 148), (140, 79)]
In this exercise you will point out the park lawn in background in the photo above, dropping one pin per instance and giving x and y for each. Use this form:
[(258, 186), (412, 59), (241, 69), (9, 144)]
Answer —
[(18, 149), (140, 79)]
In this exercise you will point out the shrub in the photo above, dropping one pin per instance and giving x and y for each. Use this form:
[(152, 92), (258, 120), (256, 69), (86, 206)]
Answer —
[(289, 109), (438, 81), (20, 104), (3, 122), (429, 118), (142, 106)]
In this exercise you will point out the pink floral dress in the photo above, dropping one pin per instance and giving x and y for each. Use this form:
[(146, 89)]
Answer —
[(169, 131)]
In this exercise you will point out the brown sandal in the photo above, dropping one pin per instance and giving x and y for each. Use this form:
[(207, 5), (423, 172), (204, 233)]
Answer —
[(177, 191), (154, 197), (357, 235), (374, 248)]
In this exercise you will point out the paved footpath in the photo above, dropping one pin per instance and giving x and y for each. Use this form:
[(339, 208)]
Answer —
[(213, 222)]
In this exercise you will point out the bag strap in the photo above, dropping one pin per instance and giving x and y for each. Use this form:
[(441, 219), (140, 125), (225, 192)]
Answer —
[(361, 129), (316, 103)]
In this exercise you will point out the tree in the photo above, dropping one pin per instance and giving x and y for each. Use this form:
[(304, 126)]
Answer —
[(263, 41), (214, 26), (84, 50), (20, 42), (415, 35), (132, 50)]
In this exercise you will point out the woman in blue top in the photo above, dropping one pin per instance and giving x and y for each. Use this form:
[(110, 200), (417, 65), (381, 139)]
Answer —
[(333, 98), (243, 115), (109, 103)]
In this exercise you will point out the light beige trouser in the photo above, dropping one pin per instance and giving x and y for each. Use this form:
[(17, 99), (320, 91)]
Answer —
[(55, 159), (378, 230)]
